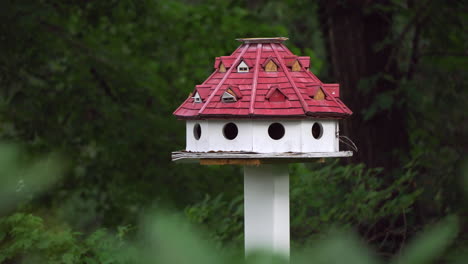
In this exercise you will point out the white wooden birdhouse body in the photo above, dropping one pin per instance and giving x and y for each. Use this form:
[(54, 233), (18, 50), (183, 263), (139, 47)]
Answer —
[(262, 135)]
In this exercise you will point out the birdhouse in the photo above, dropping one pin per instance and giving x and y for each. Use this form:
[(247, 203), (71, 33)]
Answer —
[(262, 108), (263, 99)]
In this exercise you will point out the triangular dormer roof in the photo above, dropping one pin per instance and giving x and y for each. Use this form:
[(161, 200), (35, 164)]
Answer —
[(234, 90), (289, 60), (267, 60), (273, 89), (203, 91), (251, 88), (226, 60), (304, 61)]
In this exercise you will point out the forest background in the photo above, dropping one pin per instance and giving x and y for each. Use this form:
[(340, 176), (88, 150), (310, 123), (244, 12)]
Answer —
[(87, 94)]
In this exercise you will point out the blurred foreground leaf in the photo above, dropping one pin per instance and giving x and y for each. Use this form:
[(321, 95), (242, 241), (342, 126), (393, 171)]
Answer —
[(169, 239), (338, 247), (22, 178), (430, 245)]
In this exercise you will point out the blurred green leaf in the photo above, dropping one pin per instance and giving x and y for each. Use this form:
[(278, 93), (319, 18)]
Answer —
[(22, 179), (429, 246)]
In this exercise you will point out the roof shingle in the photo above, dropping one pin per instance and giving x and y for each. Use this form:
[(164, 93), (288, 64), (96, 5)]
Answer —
[(297, 87)]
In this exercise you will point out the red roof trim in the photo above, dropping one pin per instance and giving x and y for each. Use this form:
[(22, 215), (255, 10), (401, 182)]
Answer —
[(227, 61), (255, 79), (203, 91), (334, 88), (293, 84), (223, 80), (332, 97), (217, 62), (289, 60), (312, 89), (304, 61)]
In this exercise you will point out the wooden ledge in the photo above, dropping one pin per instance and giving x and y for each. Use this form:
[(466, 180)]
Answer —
[(253, 158), (263, 40)]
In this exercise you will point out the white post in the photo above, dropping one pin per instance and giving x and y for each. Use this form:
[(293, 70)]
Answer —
[(266, 208)]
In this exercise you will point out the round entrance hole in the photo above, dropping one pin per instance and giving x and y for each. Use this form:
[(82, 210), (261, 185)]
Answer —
[(317, 130), (230, 131), (197, 131), (276, 131)]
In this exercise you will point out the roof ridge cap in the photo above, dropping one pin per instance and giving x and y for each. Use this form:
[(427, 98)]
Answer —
[(304, 105), (267, 40), (253, 93)]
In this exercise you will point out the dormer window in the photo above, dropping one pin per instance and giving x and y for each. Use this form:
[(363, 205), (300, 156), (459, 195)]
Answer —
[(228, 98), (320, 95), (316, 92), (270, 65), (231, 95), (296, 66), (196, 98), (222, 68), (275, 94), (242, 67)]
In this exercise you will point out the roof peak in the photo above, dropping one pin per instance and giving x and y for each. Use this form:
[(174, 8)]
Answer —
[(263, 40)]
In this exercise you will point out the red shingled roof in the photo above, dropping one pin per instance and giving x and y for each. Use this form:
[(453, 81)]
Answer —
[(260, 93)]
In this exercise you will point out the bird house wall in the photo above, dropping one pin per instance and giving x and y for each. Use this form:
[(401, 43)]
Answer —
[(253, 136), (328, 142), (200, 145), (243, 141), (291, 141)]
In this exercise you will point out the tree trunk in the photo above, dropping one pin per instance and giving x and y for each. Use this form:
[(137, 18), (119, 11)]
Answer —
[(353, 31)]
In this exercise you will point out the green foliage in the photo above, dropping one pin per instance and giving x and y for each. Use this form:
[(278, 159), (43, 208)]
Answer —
[(166, 238), (25, 237), (321, 197), (97, 81), (221, 217), (23, 177), (350, 195), (431, 244)]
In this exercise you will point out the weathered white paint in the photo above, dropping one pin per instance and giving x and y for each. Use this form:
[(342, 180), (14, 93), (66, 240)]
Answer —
[(290, 142), (266, 208), (253, 136), (337, 136), (202, 144), (243, 141), (326, 143), (242, 65)]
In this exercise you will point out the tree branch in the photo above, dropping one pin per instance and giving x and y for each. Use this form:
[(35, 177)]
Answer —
[(420, 16)]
